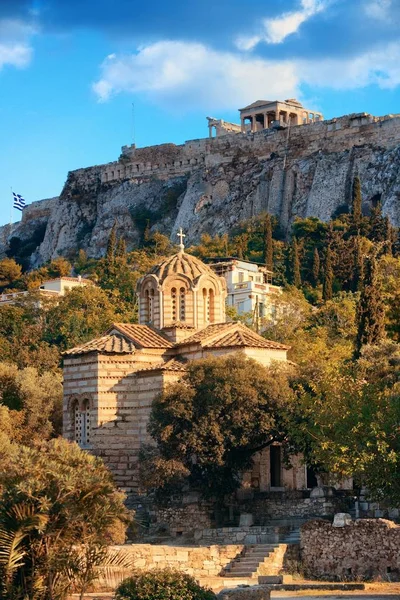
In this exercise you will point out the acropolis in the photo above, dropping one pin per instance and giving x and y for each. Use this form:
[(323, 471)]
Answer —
[(264, 114)]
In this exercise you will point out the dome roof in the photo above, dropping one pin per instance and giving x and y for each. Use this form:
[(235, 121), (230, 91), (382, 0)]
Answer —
[(182, 264)]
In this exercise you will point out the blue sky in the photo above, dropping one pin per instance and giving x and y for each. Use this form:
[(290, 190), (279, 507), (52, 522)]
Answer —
[(71, 69)]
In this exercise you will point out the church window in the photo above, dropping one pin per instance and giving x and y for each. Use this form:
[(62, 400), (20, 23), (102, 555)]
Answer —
[(206, 306), (211, 306), (182, 307), (241, 276), (174, 304), (82, 424)]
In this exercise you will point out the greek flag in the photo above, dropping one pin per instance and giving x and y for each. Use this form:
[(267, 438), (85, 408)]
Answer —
[(19, 201)]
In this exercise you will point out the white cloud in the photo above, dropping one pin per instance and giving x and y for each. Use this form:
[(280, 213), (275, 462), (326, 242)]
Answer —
[(15, 48), (184, 76), (190, 73), (277, 29), (378, 9)]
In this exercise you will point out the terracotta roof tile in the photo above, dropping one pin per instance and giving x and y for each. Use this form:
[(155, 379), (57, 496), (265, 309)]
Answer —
[(205, 333), (229, 335), (170, 365), (182, 264), (142, 336), (244, 337), (108, 344)]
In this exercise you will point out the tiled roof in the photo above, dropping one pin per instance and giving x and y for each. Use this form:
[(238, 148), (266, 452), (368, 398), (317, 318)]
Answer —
[(142, 336), (170, 365), (108, 344), (205, 333), (244, 337), (182, 264), (228, 335)]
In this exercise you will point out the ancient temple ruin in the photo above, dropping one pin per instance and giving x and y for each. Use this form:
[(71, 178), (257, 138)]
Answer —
[(265, 114)]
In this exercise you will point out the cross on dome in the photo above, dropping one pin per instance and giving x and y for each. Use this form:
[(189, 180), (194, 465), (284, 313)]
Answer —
[(181, 235)]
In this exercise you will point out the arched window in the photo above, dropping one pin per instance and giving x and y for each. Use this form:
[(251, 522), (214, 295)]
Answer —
[(182, 307), (149, 306), (174, 308), (206, 306), (85, 420), (77, 424), (211, 306)]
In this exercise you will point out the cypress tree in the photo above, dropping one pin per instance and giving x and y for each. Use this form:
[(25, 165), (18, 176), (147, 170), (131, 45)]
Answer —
[(296, 277), (327, 288), (120, 250), (356, 204), (377, 224), (370, 309), (268, 244), (111, 244), (357, 265), (316, 266)]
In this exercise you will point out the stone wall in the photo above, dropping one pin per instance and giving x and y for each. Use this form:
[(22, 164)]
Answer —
[(295, 504), (200, 562), (363, 549)]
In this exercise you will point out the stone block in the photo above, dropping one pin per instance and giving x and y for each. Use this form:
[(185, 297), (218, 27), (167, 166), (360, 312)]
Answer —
[(246, 593), (341, 520)]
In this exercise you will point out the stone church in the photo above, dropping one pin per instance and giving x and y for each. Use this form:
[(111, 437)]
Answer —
[(111, 381)]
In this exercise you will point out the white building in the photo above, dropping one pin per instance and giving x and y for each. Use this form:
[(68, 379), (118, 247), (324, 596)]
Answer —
[(52, 287), (249, 286)]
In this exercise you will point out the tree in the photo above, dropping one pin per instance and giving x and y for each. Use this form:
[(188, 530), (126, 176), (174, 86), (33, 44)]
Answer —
[(356, 203), (370, 309), (358, 265), (327, 288), (111, 244), (120, 250), (345, 420), (296, 277), (58, 505), (214, 420), (34, 401), (10, 271), (59, 267), (316, 267), (82, 314), (268, 255)]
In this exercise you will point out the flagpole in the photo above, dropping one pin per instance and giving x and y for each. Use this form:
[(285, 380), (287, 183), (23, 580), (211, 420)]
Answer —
[(11, 207)]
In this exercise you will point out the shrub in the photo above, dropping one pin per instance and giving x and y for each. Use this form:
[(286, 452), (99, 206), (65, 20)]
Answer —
[(165, 584)]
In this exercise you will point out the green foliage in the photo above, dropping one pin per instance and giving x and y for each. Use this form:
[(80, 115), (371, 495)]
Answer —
[(356, 202), (295, 265), (82, 314), (164, 584), (214, 420), (10, 271), (370, 310), (345, 419), (268, 244), (34, 403), (327, 289), (57, 506)]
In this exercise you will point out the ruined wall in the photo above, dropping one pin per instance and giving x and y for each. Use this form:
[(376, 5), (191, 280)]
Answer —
[(363, 549), (209, 185)]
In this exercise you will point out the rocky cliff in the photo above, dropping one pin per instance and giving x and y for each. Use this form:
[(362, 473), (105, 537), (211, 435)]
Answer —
[(209, 185)]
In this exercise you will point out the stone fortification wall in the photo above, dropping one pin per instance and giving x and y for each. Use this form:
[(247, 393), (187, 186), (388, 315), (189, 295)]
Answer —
[(363, 549), (210, 185)]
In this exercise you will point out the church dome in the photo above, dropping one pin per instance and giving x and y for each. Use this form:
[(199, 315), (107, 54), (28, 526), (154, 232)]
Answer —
[(181, 291), (182, 264)]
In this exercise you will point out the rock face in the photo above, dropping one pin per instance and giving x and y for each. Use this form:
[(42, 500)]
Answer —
[(209, 185)]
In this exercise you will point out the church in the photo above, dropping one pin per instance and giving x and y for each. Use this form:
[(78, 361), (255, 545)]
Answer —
[(111, 381)]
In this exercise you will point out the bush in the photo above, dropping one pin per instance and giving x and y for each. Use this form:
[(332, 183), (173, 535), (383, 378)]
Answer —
[(164, 584)]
